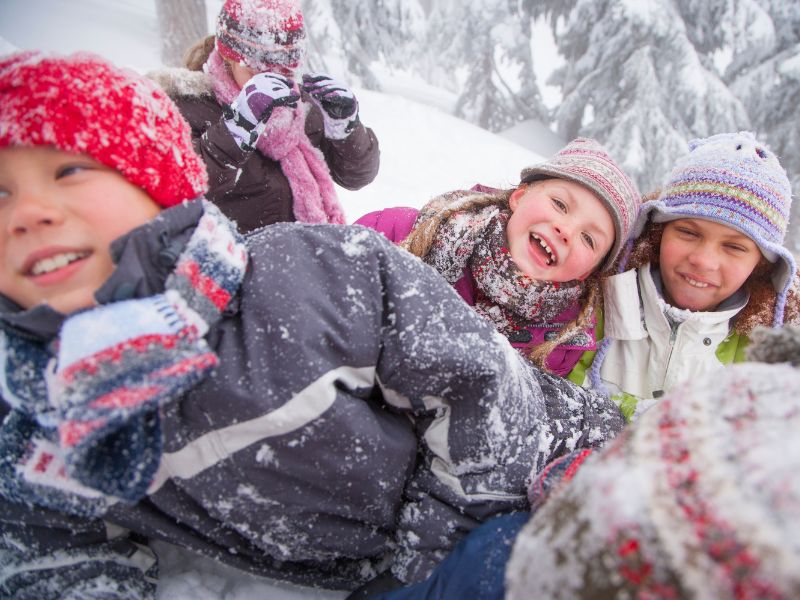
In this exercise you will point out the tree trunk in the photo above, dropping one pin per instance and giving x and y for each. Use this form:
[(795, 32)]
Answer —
[(181, 23)]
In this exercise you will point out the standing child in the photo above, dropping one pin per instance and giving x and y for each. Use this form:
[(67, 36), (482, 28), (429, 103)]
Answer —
[(273, 150), (707, 266), (529, 259), (248, 399)]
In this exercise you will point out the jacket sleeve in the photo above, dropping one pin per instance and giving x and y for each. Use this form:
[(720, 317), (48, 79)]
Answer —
[(216, 146), (249, 187), (46, 555), (485, 418), (580, 372), (395, 223)]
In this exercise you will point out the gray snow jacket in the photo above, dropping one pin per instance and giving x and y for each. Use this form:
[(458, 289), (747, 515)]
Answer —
[(361, 415)]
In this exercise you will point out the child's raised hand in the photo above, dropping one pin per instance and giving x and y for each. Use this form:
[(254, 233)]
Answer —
[(338, 104), (247, 117)]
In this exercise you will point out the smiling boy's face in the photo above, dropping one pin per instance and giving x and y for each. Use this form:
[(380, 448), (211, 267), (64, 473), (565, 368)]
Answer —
[(59, 213)]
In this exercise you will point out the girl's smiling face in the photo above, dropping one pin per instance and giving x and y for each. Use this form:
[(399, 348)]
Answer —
[(703, 262), (558, 230), (59, 213)]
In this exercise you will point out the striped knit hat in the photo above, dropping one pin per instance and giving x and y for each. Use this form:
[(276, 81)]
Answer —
[(85, 105), (734, 180), (262, 34), (586, 162), (699, 498)]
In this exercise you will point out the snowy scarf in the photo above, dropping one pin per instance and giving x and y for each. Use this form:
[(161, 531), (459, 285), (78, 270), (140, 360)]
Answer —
[(284, 140), (506, 296), (85, 429)]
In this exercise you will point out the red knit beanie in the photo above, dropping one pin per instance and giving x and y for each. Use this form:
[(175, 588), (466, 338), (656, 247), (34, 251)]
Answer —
[(261, 33), (84, 105)]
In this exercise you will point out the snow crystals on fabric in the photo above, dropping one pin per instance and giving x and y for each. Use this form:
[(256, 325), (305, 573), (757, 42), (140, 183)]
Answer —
[(699, 498)]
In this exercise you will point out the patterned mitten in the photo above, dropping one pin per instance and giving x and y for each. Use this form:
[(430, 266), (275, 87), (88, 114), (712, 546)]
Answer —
[(338, 104), (247, 117)]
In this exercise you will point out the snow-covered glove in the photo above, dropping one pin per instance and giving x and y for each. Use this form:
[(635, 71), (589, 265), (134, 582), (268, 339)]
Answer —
[(247, 117), (117, 365), (338, 104)]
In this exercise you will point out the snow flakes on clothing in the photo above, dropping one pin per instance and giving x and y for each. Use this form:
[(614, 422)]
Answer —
[(83, 104), (699, 498)]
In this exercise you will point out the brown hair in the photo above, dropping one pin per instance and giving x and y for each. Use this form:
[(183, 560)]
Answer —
[(760, 308), (421, 238), (198, 54)]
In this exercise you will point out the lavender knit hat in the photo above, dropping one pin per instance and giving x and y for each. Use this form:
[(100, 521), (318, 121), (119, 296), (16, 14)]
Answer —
[(699, 498), (586, 162), (732, 179)]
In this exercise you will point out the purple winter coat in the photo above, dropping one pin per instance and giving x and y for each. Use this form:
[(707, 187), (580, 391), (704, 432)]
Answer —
[(397, 222)]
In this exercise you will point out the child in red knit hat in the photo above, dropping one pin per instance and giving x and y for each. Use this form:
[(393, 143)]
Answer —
[(273, 149), (162, 377)]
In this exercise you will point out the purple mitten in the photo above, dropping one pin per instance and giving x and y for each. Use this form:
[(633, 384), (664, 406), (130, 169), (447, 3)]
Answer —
[(247, 117)]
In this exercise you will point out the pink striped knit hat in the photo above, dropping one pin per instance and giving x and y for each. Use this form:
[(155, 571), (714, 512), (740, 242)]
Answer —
[(587, 163)]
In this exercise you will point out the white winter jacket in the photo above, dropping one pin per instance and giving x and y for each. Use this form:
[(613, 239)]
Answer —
[(648, 355)]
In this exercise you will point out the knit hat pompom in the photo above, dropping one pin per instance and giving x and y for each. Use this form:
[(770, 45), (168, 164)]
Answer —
[(775, 345), (734, 180), (261, 33), (586, 162), (699, 498), (83, 104)]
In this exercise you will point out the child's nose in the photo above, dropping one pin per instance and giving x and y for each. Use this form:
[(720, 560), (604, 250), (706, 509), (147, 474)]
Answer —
[(564, 232), (704, 257), (31, 211)]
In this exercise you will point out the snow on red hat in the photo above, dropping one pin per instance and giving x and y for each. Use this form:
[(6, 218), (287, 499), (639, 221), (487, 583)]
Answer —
[(85, 105), (261, 33)]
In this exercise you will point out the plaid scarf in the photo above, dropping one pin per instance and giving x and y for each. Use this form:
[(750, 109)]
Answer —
[(506, 296), (84, 429)]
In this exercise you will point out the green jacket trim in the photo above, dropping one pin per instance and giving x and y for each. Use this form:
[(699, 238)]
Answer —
[(731, 350)]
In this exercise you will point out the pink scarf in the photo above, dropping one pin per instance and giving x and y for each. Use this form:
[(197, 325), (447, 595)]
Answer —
[(285, 141)]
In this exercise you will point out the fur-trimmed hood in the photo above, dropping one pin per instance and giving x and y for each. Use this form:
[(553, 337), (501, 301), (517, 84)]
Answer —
[(176, 81)]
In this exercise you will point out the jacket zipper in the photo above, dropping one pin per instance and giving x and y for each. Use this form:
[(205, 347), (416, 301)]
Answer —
[(673, 334)]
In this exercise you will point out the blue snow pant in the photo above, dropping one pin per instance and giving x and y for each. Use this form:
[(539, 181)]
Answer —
[(476, 567)]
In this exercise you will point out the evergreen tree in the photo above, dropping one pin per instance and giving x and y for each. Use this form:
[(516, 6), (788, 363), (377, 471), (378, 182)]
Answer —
[(365, 32), (483, 49), (767, 79), (634, 80)]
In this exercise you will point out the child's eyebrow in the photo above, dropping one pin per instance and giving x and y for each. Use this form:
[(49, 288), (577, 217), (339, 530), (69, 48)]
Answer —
[(571, 200)]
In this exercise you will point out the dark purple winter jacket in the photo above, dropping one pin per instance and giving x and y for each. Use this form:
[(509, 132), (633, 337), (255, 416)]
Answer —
[(360, 417), (397, 222)]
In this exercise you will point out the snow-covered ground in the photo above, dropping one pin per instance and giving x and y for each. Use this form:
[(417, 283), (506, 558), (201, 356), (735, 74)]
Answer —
[(424, 152)]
